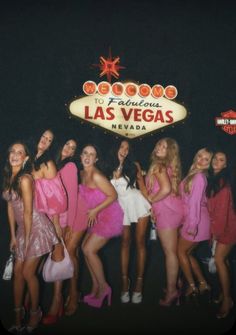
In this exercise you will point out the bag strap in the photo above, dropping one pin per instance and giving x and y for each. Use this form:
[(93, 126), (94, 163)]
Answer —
[(65, 248)]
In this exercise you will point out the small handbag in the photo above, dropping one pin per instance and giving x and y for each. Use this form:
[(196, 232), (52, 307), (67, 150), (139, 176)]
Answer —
[(53, 271), (8, 270)]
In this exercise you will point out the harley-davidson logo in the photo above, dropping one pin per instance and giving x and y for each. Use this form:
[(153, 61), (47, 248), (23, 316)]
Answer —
[(227, 122)]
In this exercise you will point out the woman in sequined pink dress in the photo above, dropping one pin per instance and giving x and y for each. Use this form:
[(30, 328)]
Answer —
[(105, 220), (162, 181), (32, 234)]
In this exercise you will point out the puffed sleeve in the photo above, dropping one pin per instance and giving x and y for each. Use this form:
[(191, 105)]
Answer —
[(69, 175), (50, 196), (195, 199)]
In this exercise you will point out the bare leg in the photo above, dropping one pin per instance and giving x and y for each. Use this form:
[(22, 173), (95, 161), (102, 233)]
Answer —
[(18, 289), (91, 247), (140, 234), (72, 247), (221, 254), (125, 254), (203, 286), (184, 249), (29, 273), (57, 299), (95, 284), (169, 238)]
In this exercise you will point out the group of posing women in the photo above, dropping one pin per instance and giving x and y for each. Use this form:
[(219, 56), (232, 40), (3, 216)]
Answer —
[(50, 200)]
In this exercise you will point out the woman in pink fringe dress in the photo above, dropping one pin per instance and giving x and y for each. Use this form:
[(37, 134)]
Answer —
[(105, 220)]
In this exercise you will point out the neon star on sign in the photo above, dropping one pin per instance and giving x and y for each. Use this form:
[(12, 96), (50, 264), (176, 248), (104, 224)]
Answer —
[(109, 66)]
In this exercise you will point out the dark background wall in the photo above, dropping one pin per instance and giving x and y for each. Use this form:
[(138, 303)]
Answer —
[(47, 49), (46, 52)]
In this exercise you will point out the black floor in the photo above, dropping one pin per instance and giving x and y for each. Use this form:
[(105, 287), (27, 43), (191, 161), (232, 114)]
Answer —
[(147, 317)]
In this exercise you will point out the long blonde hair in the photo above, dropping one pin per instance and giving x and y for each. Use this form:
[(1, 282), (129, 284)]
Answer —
[(171, 160), (194, 170)]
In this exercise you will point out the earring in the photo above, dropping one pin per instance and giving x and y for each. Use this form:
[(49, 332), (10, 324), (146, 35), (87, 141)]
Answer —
[(23, 165)]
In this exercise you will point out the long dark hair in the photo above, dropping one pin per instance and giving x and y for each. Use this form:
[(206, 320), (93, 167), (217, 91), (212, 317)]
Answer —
[(47, 155), (216, 182), (100, 164), (14, 184), (129, 170), (60, 163)]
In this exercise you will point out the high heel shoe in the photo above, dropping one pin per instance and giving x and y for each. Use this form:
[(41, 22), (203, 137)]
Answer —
[(29, 328), (125, 296), (191, 295), (72, 305), (14, 329), (168, 301), (218, 300), (50, 319), (223, 313), (98, 302), (205, 292), (203, 287), (88, 297)]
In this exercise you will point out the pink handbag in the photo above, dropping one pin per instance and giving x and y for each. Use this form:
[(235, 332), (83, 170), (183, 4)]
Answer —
[(53, 271)]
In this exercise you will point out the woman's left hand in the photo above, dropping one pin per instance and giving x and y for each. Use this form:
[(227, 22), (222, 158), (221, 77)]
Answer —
[(92, 217), (26, 244)]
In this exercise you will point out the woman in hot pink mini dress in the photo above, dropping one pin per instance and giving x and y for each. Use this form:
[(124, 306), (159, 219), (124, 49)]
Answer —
[(105, 220), (162, 183)]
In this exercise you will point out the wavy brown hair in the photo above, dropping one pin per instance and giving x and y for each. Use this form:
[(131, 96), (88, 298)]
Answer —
[(13, 184)]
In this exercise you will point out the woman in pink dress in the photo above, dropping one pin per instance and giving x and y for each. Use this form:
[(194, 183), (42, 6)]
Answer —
[(105, 220), (50, 195), (73, 228), (196, 223), (32, 234), (74, 220), (222, 209), (162, 181)]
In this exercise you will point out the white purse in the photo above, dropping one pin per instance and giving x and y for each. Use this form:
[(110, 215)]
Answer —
[(211, 263), (8, 270), (53, 271)]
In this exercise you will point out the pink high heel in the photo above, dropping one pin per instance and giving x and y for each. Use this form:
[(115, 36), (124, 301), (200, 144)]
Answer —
[(87, 298), (98, 302), (167, 302)]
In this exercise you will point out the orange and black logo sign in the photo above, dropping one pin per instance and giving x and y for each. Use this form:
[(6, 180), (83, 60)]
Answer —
[(227, 122)]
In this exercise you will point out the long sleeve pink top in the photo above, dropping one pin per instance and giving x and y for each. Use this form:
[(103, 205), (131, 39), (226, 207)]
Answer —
[(69, 175), (196, 215), (223, 216)]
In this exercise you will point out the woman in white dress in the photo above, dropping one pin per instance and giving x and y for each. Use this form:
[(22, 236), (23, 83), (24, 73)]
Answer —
[(124, 174)]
